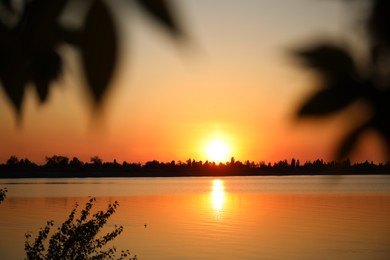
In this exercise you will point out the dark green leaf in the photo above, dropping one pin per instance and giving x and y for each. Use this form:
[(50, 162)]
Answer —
[(99, 48), (326, 101), (161, 11)]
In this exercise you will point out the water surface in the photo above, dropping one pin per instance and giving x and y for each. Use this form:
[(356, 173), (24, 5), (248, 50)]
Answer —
[(295, 217)]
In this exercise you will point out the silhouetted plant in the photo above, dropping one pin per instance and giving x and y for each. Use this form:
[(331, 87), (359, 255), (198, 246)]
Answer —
[(77, 238), (345, 82), (75, 162), (57, 161), (31, 33), (96, 160), (13, 160), (3, 194)]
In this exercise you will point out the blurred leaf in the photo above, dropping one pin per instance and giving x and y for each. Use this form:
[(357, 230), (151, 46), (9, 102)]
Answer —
[(27, 51), (42, 86), (45, 68), (326, 101), (8, 5), (72, 37), (343, 82), (333, 62), (161, 11), (99, 48), (378, 22), (11, 60), (380, 119), (28, 45), (350, 141), (14, 88), (41, 15)]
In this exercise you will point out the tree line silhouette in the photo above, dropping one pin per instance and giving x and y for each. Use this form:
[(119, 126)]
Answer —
[(58, 166)]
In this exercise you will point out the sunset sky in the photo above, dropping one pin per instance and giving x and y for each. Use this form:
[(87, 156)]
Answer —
[(234, 83)]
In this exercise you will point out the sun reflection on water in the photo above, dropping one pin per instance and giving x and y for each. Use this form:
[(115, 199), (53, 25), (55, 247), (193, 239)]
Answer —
[(217, 197)]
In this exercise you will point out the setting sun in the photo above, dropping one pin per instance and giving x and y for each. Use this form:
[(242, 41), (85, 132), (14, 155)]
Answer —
[(217, 151)]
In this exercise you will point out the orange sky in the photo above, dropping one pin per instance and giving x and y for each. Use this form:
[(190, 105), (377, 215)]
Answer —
[(236, 82)]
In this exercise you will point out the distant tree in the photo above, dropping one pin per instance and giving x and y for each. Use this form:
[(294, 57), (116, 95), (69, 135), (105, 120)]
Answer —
[(26, 162), (347, 163), (75, 162), (232, 161), (57, 161), (77, 238), (281, 164), (189, 162), (262, 164), (318, 162), (307, 163), (152, 164), (96, 160), (3, 194), (13, 160), (293, 163)]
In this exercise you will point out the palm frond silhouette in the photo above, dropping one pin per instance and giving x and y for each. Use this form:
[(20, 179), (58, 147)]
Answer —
[(344, 82)]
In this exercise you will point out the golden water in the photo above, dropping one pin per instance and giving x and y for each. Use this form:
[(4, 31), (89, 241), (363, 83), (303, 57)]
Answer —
[(312, 217)]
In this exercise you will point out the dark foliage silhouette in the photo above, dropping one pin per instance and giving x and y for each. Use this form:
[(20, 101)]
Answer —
[(345, 82), (98, 168), (96, 160), (3, 194), (31, 33), (57, 161), (77, 238)]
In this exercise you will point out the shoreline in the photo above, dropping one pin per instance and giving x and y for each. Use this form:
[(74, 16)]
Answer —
[(127, 175), (60, 167)]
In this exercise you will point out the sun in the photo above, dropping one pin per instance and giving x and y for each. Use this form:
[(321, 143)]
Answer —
[(217, 151)]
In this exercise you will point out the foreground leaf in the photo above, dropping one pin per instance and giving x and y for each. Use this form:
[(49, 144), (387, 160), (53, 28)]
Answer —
[(332, 62), (45, 68), (14, 86), (350, 141), (326, 102), (99, 48), (161, 11)]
